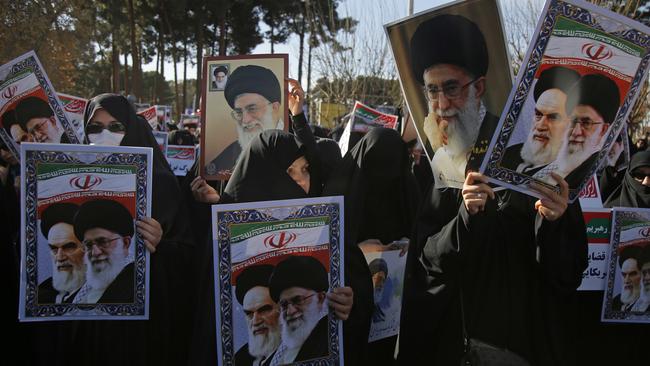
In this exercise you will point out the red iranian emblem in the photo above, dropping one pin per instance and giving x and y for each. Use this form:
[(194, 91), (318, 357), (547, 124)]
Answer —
[(597, 52), (75, 106), (9, 92), (279, 240), (645, 232), (85, 182)]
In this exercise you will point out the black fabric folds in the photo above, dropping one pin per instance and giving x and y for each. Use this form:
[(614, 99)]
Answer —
[(631, 193)]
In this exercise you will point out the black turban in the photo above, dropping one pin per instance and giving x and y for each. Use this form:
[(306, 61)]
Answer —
[(644, 255), (8, 120), (57, 213), (597, 91), (378, 265), (298, 271), (32, 107), (627, 252), (448, 39), (219, 69), (252, 79), (105, 214), (555, 78), (252, 277)]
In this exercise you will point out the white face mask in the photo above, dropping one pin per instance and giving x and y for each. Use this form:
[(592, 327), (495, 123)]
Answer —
[(106, 137)]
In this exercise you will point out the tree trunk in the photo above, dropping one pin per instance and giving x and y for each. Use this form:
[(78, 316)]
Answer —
[(222, 34), (271, 40), (137, 75), (115, 61), (175, 57), (155, 78), (184, 79), (199, 65), (126, 74), (301, 36)]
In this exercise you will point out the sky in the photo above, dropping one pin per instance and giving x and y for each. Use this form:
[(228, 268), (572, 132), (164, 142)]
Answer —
[(372, 14)]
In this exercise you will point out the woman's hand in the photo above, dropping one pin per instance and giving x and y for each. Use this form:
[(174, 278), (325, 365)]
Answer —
[(341, 300), (151, 231), (203, 192)]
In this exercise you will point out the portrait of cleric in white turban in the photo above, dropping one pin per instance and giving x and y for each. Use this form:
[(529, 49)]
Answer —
[(456, 77), (252, 101)]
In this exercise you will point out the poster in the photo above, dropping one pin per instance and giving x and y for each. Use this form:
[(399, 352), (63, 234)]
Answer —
[(597, 225), (627, 292), (162, 140), (187, 119), (163, 115), (29, 108), (387, 271), (233, 113), (590, 194), (81, 255), (149, 114), (74, 108), (454, 69), (274, 263), (362, 119), (578, 82), (181, 158)]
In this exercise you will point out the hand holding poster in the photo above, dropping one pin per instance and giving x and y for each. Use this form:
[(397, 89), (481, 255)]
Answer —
[(627, 295), (274, 263), (81, 255), (29, 107), (581, 76)]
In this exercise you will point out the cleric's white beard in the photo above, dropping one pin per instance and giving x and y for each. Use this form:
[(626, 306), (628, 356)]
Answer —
[(571, 156), (266, 122), (629, 296), (68, 282), (221, 84), (263, 345), (534, 153), (296, 331), (101, 276), (462, 133)]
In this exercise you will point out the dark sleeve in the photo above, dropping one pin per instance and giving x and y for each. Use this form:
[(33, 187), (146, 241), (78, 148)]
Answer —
[(562, 249), (303, 132), (449, 236), (609, 181)]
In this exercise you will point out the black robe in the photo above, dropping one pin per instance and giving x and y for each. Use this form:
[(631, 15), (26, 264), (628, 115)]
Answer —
[(163, 339), (226, 160), (518, 271), (610, 343), (381, 198)]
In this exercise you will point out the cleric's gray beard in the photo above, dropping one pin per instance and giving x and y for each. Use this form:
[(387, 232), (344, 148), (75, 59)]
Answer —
[(266, 122), (534, 153), (629, 296), (462, 133), (68, 282), (263, 345), (101, 276), (297, 330)]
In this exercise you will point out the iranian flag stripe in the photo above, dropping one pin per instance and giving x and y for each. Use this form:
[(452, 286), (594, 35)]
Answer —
[(86, 182)]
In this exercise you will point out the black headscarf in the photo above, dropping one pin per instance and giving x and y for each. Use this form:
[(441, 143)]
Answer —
[(380, 203), (631, 193), (261, 172), (160, 340)]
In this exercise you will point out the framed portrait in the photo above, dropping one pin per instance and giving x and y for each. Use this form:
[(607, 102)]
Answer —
[(453, 52), (581, 75), (627, 292), (30, 110), (253, 100), (218, 76), (82, 257), (274, 263)]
